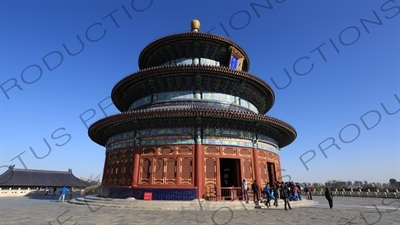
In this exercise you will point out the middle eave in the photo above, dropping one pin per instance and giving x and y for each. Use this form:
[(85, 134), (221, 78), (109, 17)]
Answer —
[(193, 77)]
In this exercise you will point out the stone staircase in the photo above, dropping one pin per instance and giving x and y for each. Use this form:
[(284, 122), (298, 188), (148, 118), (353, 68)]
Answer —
[(194, 205)]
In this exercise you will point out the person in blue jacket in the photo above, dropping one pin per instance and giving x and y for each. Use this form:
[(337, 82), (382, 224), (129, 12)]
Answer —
[(63, 192), (268, 195)]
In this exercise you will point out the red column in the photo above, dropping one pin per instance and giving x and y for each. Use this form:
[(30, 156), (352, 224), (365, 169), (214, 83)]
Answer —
[(256, 166), (136, 169), (219, 192), (199, 163)]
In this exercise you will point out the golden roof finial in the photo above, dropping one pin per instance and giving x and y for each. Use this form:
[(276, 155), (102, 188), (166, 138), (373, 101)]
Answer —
[(195, 25)]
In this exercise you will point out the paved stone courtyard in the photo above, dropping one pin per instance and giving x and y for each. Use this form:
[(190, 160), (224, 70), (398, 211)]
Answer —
[(46, 210)]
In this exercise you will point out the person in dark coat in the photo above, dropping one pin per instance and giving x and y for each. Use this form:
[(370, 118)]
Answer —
[(71, 193), (275, 195), (307, 193), (299, 190), (285, 195), (255, 188), (329, 197)]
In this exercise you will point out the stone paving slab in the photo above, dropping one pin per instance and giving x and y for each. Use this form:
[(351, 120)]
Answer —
[(346, 210), (195, 205)]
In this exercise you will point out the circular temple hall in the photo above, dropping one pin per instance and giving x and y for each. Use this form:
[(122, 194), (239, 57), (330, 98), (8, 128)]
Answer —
[(192, 123)]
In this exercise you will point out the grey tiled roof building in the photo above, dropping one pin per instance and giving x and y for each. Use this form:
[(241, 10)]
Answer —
[(32, 178)]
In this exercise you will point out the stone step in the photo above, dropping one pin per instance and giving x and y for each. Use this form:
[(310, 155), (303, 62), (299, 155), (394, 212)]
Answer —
[(195, 205)]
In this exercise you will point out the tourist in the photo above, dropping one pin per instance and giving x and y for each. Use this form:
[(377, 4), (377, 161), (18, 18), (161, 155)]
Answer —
[(245, 191), (285, 195), (255, 189), (71, 193), (307, 193), (54, 191), (47, 191), (63, 192), (310, 190), (278, 189), (295, 192), (267, 195), (275, 194), (329, 197), (299, 190), (290, 190)]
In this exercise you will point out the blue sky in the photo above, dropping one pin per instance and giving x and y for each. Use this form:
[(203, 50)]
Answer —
[(353, 70)]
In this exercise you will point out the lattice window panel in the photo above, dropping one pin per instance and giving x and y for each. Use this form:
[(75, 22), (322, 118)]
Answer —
[(270, 157), (278, 172), (108, 171), (120, 168), (118, 154), (185, 150), (247, 169), (263, 171), (245, 152), (145, 171), (229, 151), (128, 153), (129, 166), (261, 154), (186, 171), (127, 171), (170, 171), (108, 156), (210, 172), (212, 150), (210, 168), (166, 151), (158, 171), (112, 170), (117, 167), (148, 151), (210, 181)]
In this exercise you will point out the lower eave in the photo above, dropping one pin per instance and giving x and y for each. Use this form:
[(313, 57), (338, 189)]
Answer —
[(103, 129)]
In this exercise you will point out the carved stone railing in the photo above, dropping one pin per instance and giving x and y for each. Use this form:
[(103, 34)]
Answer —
[(15, 192), (351, 193)]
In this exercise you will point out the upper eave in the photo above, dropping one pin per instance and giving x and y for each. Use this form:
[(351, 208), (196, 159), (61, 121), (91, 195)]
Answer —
[(201, 45)]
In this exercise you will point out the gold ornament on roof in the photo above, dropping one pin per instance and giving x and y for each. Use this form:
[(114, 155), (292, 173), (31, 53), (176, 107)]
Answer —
[(195, 26)]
